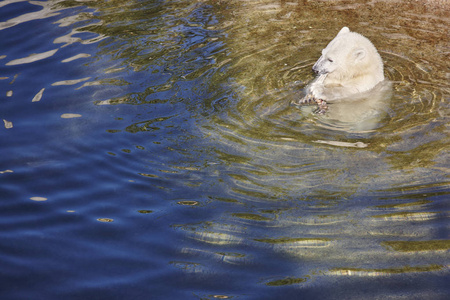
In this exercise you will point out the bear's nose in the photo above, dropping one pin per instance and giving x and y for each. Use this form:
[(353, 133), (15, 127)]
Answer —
[(319, 71), (315, 69)]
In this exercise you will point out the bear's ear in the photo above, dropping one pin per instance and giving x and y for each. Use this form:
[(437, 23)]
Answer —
[(359, 54), (344, 30)]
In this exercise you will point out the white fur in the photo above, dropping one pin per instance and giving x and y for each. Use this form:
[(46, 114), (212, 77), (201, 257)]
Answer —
[(349, 65)]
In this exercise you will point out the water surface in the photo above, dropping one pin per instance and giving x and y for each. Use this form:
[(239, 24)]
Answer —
[(150, 151)]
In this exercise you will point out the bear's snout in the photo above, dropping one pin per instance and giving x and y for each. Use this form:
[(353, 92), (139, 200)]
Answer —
[(318, 68), (315, 69)]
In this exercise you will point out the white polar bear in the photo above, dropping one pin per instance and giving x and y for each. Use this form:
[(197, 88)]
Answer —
[(349, 65)]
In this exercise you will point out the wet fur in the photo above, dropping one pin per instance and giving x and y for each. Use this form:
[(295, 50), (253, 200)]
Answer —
[(349, 65)]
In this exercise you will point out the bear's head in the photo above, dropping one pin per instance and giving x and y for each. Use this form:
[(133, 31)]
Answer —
[(349, 55)]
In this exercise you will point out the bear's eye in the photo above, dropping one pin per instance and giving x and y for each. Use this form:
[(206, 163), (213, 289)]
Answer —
[(330, 60)]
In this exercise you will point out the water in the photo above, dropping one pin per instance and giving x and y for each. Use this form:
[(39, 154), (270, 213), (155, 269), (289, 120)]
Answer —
[(150, 151)]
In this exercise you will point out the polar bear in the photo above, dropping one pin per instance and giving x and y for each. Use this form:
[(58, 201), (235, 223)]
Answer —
[(349, 65)]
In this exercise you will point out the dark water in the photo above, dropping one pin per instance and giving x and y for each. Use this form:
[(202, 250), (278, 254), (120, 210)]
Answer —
[(149, 151)]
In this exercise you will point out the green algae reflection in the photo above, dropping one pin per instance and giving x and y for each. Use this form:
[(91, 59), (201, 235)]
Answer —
[(410, 246), (386, 271), (286, 281)]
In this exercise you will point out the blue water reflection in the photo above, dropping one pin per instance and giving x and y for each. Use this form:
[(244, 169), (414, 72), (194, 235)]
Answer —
[(149, 151)]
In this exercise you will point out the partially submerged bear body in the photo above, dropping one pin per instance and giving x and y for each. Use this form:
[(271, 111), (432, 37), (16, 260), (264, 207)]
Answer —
[(349, 65)]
